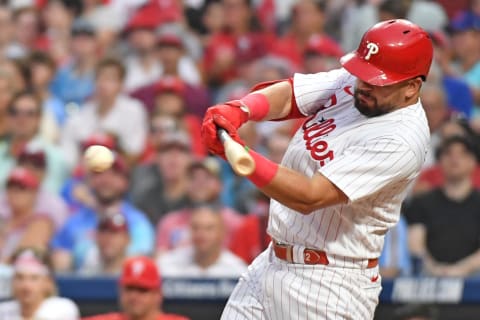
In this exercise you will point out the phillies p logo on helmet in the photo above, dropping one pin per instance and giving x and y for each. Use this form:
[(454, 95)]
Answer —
[(372, 49)]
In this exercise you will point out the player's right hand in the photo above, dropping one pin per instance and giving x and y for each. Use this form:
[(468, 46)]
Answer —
[(217, 117), (228, 116)]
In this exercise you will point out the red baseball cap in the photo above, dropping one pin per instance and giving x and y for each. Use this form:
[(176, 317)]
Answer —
[(170, 84), (323, 46), (154, 14), (144, 18), (101, 139), (23, 177), (140, 272), (114, 222)]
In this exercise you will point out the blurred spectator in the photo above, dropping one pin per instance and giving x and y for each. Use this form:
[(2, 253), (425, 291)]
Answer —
[(466, 46), (110, 251), (204, 187), (207, 256), (42, 69), (74, 82), (48, 199), (111, 112), (6, 95), (58, 16), (444, 223), (212, 20), (196, 97), (75, 190), (77, 237), (24, 115), (170, 100), (433, 176), (161, 186), (34, 290), (23, 225), (435, 105), (453, 8), (7, 49), (240, 42), (360, 15), (429, 15), (320, 55), (142, 66), (459, 97), (308, 20), (106, 19), (251, 237), (395, 258), (27, 36), (140, 293), (46, 202), (161, 126), (357, 18), (154, 56), (174, 58), (18, 70)]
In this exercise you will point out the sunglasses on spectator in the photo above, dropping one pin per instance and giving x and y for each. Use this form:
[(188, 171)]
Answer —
[(28, 113)]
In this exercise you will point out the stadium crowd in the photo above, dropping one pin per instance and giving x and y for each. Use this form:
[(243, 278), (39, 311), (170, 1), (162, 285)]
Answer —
[(136, 76)]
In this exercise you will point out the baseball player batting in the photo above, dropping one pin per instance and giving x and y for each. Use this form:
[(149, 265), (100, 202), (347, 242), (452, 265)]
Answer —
[(342, 180)]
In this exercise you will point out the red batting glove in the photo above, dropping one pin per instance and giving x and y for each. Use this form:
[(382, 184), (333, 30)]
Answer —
[(210, 138), (228, 116)]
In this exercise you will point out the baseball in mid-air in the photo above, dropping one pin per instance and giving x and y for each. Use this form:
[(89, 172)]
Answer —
[(98, 158)]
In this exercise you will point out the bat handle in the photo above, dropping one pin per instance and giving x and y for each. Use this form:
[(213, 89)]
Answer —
[(223, 135), (239, 158)]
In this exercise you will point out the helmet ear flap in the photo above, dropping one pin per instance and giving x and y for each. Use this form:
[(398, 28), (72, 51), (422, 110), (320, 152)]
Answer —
[(390, 52)]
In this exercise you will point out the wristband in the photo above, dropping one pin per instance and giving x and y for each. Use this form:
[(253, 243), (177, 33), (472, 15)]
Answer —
[(265, 170), (257, 105)]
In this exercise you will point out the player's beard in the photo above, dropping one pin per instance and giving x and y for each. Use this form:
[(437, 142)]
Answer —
[(374, 111)]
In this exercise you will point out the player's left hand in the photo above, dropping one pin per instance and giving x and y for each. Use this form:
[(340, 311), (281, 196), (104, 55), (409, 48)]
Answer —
[(211, 122)]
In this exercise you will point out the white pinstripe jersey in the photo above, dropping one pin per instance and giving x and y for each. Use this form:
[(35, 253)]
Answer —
[(372, 160)]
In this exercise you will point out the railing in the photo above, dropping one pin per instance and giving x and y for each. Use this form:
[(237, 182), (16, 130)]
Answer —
[(204, 299)]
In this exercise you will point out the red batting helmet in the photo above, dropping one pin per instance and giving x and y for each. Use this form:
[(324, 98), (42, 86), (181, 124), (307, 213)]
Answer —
[(390, 52)]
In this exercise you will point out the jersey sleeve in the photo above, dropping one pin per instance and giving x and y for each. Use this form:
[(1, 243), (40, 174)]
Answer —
[(312, 91), (362, 170)]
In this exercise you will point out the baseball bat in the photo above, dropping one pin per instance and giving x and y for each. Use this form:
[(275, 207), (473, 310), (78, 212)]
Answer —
[(239, 158)]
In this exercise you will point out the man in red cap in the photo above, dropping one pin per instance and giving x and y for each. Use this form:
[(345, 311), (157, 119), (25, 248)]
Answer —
[(111, 244), (170, 100), (141, 64), (342, 180), (140, 293)]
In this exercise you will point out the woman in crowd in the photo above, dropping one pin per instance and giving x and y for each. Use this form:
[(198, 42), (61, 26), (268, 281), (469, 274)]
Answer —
[(34, 291)]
